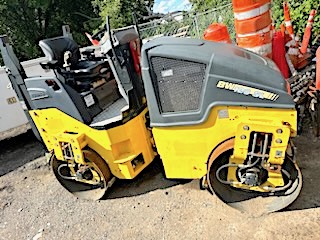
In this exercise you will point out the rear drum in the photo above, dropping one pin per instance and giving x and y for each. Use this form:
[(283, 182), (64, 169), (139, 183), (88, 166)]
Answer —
[(256, 203)]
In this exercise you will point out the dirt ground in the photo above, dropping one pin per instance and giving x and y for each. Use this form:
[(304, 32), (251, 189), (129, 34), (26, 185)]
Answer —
[(34, 206)]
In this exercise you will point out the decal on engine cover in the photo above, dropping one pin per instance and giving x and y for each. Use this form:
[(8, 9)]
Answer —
[(248, 91)]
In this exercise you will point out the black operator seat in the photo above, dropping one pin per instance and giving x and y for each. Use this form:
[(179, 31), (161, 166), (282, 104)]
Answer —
[(55, 50)]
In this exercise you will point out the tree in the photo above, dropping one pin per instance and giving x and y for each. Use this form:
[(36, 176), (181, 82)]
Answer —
[(299, 12), (28, 21), (203, 5), (120, 11)]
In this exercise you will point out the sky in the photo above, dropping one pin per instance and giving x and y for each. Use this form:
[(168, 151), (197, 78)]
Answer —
[(165, 6)]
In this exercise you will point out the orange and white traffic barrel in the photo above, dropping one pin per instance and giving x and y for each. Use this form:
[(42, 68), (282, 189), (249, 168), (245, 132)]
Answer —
[(253, 25)]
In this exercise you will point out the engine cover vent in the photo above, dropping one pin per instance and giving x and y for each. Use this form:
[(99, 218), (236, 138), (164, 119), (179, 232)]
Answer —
[(177, 84)]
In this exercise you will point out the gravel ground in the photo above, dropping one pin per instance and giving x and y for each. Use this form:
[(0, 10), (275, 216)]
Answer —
[(34, 206)]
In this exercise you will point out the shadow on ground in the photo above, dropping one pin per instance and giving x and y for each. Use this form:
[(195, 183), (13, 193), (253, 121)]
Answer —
[(150, 179), (17, 151), (308, 157)]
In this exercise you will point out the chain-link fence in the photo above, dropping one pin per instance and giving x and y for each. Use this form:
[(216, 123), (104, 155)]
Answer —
[(188, 24)]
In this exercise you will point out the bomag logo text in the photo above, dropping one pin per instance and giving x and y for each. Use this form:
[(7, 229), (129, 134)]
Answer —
[(248, 91)]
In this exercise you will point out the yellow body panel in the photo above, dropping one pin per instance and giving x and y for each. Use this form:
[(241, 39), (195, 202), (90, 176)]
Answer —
[(185, 150), (120, 146)]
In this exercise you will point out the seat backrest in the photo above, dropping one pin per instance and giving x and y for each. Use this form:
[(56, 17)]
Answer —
[(55, 48)]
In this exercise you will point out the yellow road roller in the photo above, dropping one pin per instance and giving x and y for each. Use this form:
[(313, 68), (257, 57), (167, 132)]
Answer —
[(211, 111)]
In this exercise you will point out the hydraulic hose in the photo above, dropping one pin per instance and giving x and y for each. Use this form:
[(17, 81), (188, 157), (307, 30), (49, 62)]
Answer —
[(224, 166), (61, 175), (241, 166)]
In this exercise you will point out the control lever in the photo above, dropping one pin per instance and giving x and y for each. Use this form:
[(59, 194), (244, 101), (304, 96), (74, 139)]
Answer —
[(66, 59)]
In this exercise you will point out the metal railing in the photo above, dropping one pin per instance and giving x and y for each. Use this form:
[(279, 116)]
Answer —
[(188, 24)]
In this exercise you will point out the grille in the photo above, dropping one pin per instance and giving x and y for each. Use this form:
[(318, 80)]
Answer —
[(177, 83)]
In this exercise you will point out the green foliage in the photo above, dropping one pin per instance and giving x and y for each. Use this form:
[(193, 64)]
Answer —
[(121, 11), (28, 21), (299, 12), (203, 5)]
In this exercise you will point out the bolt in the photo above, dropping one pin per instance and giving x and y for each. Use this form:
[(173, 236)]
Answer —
[(246, 128), (278, 140), (243, 137), (278, 153), (279, 131)]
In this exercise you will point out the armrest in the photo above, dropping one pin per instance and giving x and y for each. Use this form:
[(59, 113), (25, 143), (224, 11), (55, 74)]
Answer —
[(49, 65)]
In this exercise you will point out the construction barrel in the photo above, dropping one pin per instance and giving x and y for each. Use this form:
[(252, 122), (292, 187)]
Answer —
[(253, 25)]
